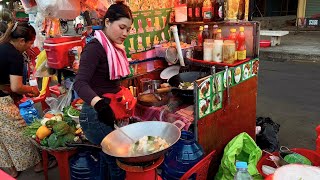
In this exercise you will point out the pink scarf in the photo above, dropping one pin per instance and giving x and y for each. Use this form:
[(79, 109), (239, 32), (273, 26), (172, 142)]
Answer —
[(117, 59)]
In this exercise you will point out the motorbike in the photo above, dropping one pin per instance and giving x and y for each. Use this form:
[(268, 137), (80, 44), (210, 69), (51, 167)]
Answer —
[(64, 25), (78, 24)]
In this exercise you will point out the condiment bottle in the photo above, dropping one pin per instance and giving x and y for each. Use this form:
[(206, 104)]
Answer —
[(214, 31), (207, 11), (200, 39), (198, 10), (205, 33), (219, 35), (217, 50), (241, 46), (229, 50), (233, 37), (208, 50), (190, 9), (219, 10)]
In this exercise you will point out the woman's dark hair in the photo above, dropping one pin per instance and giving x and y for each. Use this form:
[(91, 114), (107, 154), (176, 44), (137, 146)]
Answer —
[(3, 27), (18, 30), (117, 11)]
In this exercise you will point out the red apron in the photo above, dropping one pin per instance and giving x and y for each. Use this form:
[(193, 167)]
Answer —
[(122, 103)]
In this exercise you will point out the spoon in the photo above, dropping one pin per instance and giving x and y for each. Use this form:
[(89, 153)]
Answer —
[(117, 128)]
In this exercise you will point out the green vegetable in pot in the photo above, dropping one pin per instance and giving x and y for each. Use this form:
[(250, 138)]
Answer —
[(61, 128), (297, 159), (74, 112)]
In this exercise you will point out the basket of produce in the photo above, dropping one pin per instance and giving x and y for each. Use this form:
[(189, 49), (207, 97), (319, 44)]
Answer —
[(54, 132)]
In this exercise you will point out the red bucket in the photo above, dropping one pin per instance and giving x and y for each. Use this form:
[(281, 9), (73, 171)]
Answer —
[(313, 156)]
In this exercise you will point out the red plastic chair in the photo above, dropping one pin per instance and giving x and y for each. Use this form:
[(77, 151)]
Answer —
[(200, 169)]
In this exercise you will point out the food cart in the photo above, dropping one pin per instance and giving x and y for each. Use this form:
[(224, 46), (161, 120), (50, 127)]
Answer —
[(223, 97)]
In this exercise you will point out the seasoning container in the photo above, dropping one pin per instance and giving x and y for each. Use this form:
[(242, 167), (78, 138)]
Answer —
[(208, 50), (229, 51), (217, 50), (198, 52)]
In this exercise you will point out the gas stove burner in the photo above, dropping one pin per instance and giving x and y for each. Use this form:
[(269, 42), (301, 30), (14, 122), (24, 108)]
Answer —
[(140, 164)]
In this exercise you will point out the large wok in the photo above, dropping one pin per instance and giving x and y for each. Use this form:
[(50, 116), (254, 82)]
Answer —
[(175, 81), (117, 144)]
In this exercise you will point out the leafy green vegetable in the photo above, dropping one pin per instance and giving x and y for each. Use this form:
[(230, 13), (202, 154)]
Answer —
[(61, 128), (31, 130), (70, 121), (54, 141), (74, 112)]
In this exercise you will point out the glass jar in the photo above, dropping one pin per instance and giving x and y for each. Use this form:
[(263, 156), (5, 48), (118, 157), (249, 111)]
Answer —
[(217, 50), (229, 51), (208, 50)]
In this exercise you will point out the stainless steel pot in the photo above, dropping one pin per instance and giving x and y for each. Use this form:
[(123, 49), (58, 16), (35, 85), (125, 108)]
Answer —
[(117, 144)]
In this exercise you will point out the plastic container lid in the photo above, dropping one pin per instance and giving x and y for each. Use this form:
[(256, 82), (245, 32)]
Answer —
[(233, 30), (241, 29), (241, 164), (206, 26)]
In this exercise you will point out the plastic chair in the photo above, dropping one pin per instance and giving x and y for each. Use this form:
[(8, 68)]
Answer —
[(200, 169)]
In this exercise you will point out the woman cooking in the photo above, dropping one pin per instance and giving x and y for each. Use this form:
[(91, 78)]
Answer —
[(16, 152), (103, 63)]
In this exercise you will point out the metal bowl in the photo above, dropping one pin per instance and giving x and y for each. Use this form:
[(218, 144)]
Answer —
[(117, 144)]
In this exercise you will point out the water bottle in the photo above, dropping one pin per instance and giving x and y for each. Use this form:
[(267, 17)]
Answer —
[(242, 171)]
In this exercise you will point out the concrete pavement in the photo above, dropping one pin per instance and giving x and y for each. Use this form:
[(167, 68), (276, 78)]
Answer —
[(302, 47)]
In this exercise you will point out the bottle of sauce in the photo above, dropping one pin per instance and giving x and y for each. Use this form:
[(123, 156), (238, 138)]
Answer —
[(198, 10), (205, 33), (219, 10), (190, 9), (214, 31), (218, 35), (241, 46), (233, 37), (207, 11), (200, 39)]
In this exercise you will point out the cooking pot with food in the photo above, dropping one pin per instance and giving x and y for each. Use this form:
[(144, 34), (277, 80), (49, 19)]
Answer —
[(117, 144), (183, 83)]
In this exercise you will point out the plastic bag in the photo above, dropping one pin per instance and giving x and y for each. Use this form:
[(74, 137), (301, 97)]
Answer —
[(64, 9), (267, 139), (41, 65), (240, 148), (28, 111), (58, 104)]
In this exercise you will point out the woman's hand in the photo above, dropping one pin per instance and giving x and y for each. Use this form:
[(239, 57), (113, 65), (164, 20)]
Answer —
[(105, 113), (34, 92)]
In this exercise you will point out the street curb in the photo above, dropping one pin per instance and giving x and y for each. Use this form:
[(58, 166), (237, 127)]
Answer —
[(283, 57)]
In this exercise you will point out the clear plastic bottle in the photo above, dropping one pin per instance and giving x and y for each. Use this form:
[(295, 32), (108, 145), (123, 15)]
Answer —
[(242, 171)]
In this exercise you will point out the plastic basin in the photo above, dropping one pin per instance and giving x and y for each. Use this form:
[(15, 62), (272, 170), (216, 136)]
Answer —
[(312, 155)]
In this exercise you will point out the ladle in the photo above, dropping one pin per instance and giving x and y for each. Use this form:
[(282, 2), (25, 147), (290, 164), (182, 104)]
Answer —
[(119, 129)]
